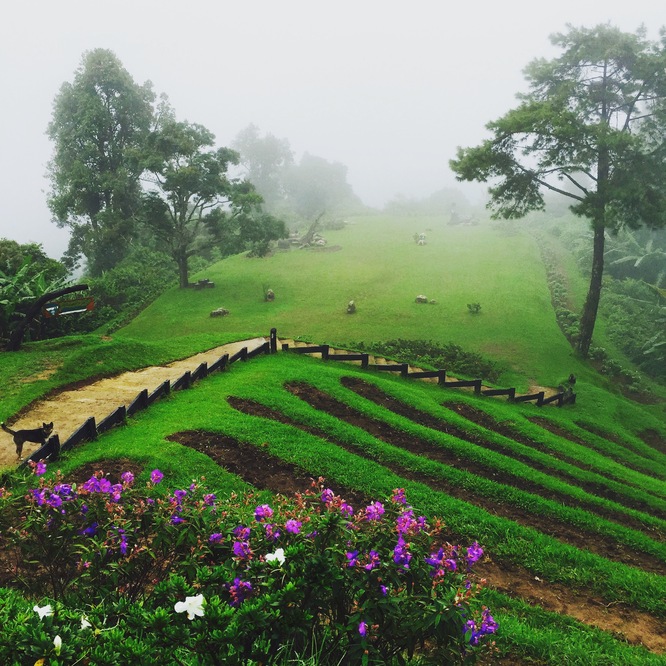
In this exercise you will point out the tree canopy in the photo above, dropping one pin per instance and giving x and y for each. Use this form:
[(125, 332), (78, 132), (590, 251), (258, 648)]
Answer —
[(191, 200), (126, 173), (264, 160), (591, 128), (99, 125)]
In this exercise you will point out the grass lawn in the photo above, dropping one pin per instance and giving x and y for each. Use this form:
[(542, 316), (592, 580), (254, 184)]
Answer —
[(381, 268)]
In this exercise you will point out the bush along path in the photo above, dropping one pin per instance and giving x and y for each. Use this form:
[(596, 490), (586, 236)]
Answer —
[(544, 396)]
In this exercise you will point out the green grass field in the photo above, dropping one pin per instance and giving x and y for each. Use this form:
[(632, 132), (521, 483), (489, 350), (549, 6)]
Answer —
[(566, 501), (381, 268)]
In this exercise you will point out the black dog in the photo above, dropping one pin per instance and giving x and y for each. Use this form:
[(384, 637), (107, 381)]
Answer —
[(37, 435)]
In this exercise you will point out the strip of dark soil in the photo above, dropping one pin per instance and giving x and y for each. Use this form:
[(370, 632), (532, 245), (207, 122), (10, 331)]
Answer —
[(654, 439), (440, 454), (375, 394), (601, 545), (572, 437), (636, 626), (485, 420), (254, 465), (111, 468), (599, 489)]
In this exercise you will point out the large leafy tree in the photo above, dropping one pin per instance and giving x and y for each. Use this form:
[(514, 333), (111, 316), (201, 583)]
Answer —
[(591, 128), (99, 124), (191, 202)]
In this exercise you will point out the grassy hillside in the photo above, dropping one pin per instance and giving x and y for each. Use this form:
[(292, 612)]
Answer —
[(376, 263), (550, 499), (569, 504)]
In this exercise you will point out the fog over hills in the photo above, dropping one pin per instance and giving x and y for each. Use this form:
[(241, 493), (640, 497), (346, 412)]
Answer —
[(389, 89)]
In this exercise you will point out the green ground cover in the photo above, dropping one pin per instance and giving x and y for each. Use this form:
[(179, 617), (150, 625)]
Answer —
[(379, 266), (372, 471)]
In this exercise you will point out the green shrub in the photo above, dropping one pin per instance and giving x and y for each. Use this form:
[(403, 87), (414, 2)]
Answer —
[(123, 572), (449, 356)]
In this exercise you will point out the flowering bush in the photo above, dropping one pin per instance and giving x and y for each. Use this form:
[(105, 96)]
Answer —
[(124, 572)]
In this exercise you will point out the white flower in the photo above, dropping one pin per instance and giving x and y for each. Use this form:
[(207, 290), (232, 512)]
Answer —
[(43, 611), (57, 644), (193, 606), (278, 556), (84, 622)]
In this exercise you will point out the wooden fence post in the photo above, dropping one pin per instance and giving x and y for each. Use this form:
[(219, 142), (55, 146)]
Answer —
[(273, 341)]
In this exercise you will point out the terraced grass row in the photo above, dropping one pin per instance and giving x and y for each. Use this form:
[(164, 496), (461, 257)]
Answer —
[(572, 472), (470, 458), (357, 461)]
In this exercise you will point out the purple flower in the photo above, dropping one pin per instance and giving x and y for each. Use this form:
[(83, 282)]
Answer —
[(91, 485), (373, 561), (293, 526), (242, 532), (209, 499), (488, 626), (474, 553), (179, 496), (271, 533), (216, 537), (156, 476), (104, 486), (116, 492), (54, 501), (239, 590), (127, 478), (383, 589), (346, 509), (64, 490), (363, 629), (399, 496), (176, 520), (90, 531), (242, 549), (488, 623), (262, 512), (407, 524), (441, 563), (375, 511), (327, 496), (352, 558), (39, 495), (123, 542), (401, 554), (40, 468)]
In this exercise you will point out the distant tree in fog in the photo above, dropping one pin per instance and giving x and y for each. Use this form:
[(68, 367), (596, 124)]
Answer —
[(592, 128), (265, 160), (315, 186)]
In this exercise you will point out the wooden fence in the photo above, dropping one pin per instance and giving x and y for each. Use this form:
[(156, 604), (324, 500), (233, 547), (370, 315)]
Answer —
[(89, 430), (539, 398)]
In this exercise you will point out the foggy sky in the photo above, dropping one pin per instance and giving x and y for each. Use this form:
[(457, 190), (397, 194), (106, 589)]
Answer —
[(389, 89)]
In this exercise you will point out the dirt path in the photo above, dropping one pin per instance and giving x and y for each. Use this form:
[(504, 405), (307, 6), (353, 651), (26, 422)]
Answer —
[(69, 409)]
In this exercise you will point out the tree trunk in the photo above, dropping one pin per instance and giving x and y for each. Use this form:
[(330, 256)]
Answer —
[(183, 270), (589, 317), (16, 337)]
